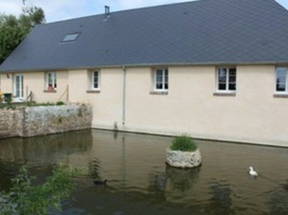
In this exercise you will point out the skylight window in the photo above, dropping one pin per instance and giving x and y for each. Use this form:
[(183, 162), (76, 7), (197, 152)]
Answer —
[(71, 37)]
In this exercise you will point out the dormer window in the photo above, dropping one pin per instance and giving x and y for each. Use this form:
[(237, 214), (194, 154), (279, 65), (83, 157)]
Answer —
[(71, 37)]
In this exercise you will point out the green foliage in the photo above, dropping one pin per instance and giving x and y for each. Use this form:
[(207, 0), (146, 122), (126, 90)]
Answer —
[(26, 199), (14, 29), (34, 104), (8, 98), (60, 103), (28, 104), (7, 106), (183, 143)]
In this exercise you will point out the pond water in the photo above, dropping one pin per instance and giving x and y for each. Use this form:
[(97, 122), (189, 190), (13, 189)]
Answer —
[(141, 183)]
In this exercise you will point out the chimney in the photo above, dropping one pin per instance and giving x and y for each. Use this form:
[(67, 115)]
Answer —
[(107, 11)]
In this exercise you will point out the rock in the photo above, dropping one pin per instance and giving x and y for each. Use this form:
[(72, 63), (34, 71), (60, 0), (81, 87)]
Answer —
[(182, 159)]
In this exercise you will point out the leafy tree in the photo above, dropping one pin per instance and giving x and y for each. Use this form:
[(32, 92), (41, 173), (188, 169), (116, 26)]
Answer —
[(25, 198), (14, 29)]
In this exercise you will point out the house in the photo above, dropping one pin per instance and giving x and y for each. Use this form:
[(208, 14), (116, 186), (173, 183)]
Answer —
[(210, 69)]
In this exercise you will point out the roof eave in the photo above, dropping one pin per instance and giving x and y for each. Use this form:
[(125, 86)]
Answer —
[(146, 65)]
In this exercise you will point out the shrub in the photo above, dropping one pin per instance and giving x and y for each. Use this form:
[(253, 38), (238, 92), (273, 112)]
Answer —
[(31, 103), (183, 143), (26, 198), (60, 103), (8, 98)]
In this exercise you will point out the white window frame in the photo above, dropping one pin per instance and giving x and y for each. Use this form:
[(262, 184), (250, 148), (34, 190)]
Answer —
[(286, 83), (163, 79), (227, 79), (21, 85), (53, 80), (92, 76), (71, 37)]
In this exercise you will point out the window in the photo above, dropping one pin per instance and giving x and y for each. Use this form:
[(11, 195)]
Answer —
[(51, 80), (71, 37), (95, 80), (281, 80), (161, 80), (18, 86), (226, 79)]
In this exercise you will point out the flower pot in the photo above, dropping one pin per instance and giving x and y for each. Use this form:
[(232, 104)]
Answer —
[(182, 159)]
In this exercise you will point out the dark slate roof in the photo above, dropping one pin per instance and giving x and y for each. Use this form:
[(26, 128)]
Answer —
[(197, 32)]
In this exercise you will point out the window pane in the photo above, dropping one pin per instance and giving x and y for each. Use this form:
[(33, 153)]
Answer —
[(95, 80), (222, 86), (232, 86), (232, 79), (17, 86), (232, 75), (51, 80), (222, 74), (159, 75), (281, 79), (55, 79), (21, 86), (50, 84), (159, 86), (159, 79), (166, 79), (70, 37)]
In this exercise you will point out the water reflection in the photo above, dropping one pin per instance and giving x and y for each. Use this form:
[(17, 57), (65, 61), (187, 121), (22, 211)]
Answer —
[(278, 201), (7, 171), (181, 180), (173, 185), (139, 182), (285, 185), (40, 154), (221, 200), (43, 150), (94, 168)]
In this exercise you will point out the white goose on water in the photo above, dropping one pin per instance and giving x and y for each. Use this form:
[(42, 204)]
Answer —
[(252, 172)]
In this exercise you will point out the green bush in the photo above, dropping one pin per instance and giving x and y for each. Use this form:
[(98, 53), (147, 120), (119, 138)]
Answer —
[(183, 143), (60, 103), (26, 198)]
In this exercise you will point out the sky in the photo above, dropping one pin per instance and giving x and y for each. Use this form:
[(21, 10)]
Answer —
[(56, 10)]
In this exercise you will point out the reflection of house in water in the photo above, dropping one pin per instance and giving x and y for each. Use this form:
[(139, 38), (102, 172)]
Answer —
[(52, 149), (221, 199), (135, 168), (181, 179), (173, 185), (41, 153), (279, 200)]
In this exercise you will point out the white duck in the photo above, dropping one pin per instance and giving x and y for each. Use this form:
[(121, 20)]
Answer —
[(252, 172)]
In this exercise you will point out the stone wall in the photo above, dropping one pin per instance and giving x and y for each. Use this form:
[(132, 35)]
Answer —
[(42, 120), (11, 122)]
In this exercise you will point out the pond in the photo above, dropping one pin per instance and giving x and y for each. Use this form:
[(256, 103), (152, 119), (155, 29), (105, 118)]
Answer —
[(139, 182)]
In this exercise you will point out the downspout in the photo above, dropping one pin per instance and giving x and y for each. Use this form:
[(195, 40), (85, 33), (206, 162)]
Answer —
[(124, 96)]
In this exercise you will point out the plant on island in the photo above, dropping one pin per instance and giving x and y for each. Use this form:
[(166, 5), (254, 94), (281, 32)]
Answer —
[(184, 144)]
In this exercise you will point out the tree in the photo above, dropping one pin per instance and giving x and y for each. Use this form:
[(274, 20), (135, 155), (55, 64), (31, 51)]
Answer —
[(14, 29)]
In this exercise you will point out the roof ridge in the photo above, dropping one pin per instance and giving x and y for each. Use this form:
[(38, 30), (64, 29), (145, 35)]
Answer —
[(127, 10)]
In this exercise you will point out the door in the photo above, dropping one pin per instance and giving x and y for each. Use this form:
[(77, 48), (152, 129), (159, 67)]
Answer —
[(18, 86)]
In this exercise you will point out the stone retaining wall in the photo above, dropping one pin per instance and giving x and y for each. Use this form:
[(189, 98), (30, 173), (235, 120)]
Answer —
[(42, 120)]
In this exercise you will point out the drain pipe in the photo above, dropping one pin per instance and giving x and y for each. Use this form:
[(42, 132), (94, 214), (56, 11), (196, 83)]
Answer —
[(124, 96)]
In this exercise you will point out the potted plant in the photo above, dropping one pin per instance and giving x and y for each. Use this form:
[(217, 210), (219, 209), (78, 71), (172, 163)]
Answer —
[(183, 153)]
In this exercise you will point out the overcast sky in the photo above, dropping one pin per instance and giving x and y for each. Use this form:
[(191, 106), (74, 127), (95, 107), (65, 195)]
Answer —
[(65, 9)]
